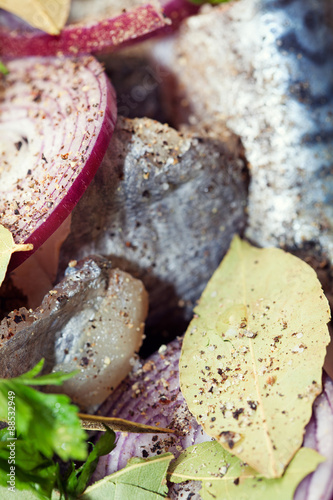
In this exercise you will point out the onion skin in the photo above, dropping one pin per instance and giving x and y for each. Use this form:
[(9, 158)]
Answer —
[(319, 484), (17, 39), (151, 395), (140, 398), (176, 11), (44, 192)]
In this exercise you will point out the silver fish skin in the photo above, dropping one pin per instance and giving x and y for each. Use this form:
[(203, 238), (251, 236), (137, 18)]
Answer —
[(163, 206), (265, 68)]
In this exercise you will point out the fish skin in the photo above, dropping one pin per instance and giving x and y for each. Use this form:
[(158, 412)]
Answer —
[(163, 207), (299, 180), (265, 68)]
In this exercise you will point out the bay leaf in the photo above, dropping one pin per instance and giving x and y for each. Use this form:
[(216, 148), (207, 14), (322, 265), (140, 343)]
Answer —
[(207, 461), (97, 422), (46, 15), (142, 479), (225, 476), (6, 494), (7, 247), (252, 357)]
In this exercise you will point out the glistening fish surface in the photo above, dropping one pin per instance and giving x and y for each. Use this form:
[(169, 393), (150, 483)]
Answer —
[(292, 186), (266, 69)]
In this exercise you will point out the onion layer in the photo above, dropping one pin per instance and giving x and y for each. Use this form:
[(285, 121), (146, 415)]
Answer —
[(17, 38), (319, 484), (151, 395), (57, 118)]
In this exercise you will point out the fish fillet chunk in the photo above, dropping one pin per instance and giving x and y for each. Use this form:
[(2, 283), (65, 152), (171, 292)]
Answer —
[(265, 68)]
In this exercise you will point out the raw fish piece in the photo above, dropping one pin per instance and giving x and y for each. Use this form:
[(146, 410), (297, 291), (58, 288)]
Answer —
[(92, 321), (265, 68), (164, 207)]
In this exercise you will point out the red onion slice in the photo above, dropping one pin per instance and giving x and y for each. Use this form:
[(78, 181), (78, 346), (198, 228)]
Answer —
[(177, 10), (57, 118), (18, 39)]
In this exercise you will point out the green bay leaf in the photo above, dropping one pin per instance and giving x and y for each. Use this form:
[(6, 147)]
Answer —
[(252, 357), (225, 476), (204, 462), (49, 421), (142, 479)]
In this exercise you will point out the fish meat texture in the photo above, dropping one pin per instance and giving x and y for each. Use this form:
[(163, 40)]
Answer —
[(265, 68), (92, 321), (163, 206)]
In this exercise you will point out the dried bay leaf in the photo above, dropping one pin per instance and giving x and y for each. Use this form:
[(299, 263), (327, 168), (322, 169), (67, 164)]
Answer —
[(97, 423), (252, 357), (205, 461), (142, 479), (47, 15), (7, 247), (225, 476)]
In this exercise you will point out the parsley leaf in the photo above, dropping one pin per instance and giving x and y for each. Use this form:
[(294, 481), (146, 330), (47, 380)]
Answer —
[(43, 429), (79, 478), (31, 470), (49, 421), (46, 434)]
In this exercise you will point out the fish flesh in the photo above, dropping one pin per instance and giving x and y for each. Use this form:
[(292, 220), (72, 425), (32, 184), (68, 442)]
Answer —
[(265, 69), (163, 206), (92, 321)]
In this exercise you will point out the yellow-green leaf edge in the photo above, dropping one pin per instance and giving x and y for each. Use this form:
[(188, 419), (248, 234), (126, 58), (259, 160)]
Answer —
[(225, 476)]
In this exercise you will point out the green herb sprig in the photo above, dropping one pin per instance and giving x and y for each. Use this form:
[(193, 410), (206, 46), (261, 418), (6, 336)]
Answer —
[(48, 438)]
